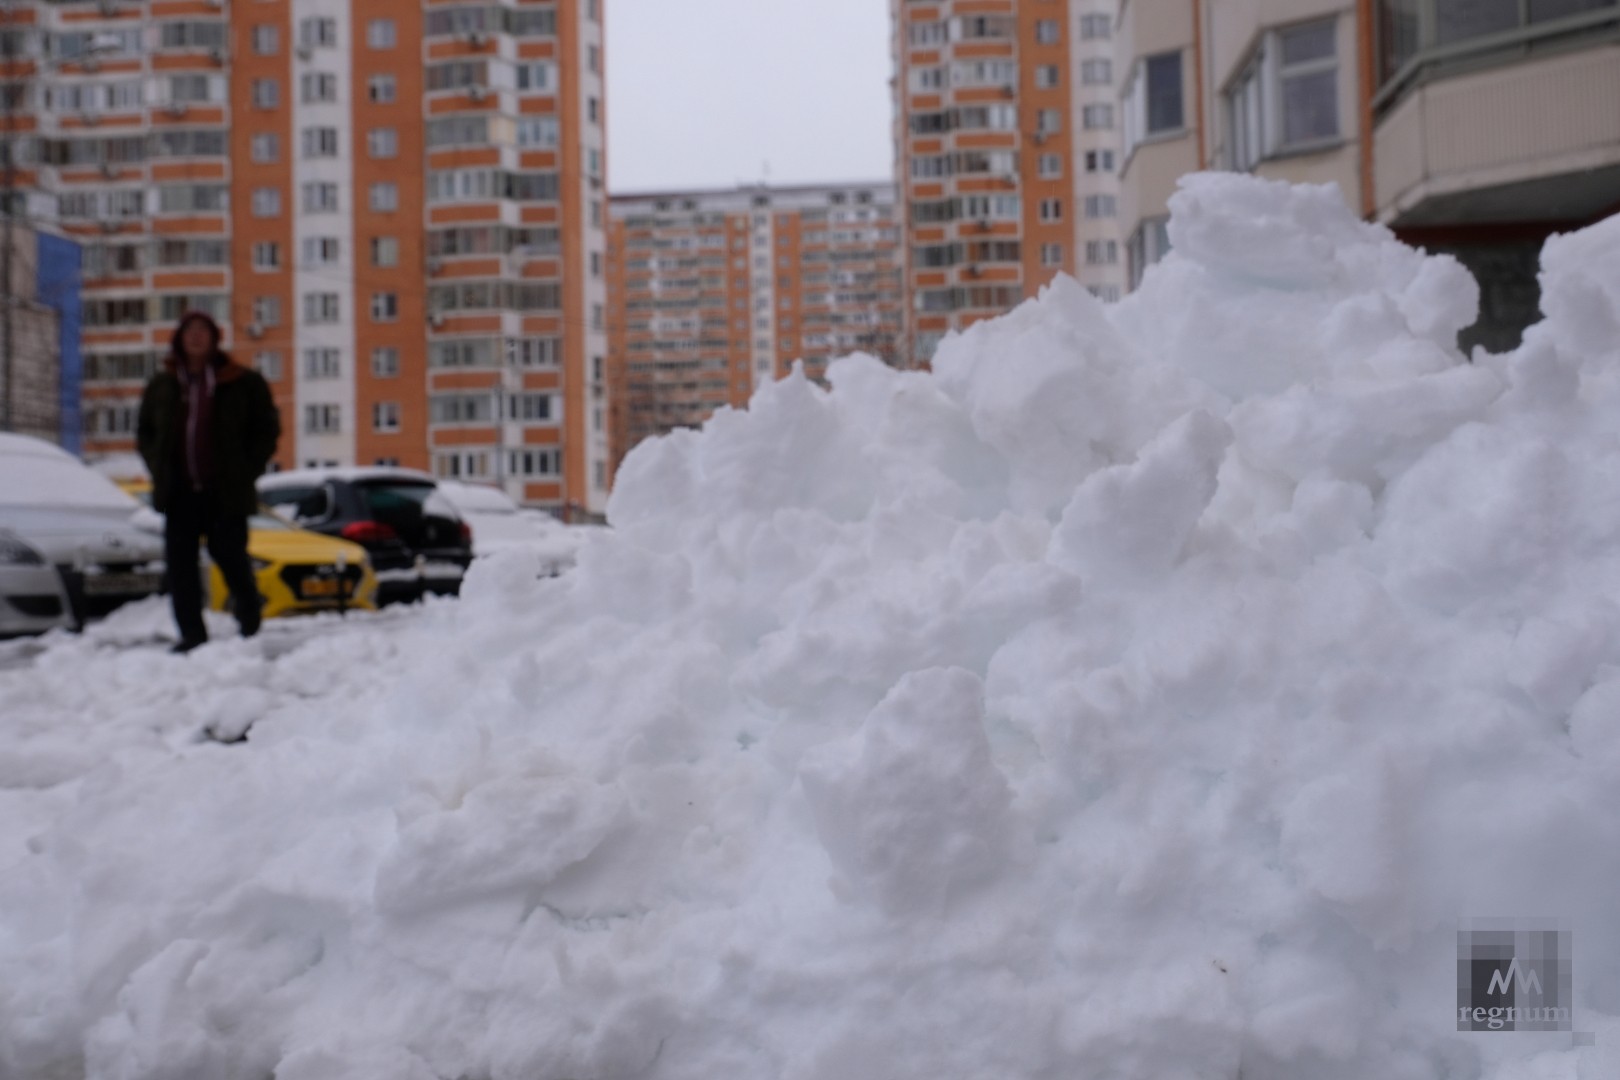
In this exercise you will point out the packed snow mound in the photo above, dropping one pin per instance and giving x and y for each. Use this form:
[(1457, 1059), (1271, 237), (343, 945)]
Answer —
[(1144, 694)]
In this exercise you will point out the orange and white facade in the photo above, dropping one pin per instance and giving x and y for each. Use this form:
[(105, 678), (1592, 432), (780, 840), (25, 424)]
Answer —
[(397, 210), (1005, 148), (716, 292)]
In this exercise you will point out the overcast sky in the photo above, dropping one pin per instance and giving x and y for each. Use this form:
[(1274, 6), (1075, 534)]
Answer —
[(703, 93)]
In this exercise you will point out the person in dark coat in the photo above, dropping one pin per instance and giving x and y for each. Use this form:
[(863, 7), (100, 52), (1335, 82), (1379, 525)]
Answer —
[(207, 429)]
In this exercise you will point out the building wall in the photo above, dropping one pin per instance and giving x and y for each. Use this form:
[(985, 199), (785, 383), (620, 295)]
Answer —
[(42, 276), (715, 293), (1500, 126), (1099, 258), (982, 235)]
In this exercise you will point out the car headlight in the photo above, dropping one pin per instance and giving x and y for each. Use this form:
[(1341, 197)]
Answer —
[(260, 565), (13, 552)]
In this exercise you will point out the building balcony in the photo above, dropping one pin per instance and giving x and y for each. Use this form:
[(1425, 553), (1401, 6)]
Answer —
[(1522, 133)]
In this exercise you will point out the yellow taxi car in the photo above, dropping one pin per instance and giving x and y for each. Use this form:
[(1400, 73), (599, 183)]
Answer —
[(298, 571)]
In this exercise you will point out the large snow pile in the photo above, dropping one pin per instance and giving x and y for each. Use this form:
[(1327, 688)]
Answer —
[(1143, 695)]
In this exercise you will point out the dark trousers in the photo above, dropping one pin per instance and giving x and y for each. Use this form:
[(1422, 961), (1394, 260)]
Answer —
[(192, 516)]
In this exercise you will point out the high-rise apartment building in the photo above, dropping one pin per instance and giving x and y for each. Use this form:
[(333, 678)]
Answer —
[(395, 207), (1005, 153), (1471, 127), (716, 292)]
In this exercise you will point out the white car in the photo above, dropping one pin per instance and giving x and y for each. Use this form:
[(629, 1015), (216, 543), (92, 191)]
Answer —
[(70, 549), (499, 524)]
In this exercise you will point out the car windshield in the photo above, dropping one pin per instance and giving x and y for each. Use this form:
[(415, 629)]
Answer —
[(47, 480)]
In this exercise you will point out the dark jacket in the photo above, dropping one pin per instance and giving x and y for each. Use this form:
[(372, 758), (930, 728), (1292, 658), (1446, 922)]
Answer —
[(246, 427)]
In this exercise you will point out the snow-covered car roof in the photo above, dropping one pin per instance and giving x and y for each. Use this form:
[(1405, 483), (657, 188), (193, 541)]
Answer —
[(36, 473), (295, 477)]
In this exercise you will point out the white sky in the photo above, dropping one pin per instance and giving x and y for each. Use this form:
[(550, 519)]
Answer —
[(703, 93)]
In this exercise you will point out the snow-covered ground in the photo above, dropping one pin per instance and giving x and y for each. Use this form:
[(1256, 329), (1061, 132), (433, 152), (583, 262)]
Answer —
[(1144, 695)]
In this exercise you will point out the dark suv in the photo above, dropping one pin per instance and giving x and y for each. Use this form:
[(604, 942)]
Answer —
[(417, 542)]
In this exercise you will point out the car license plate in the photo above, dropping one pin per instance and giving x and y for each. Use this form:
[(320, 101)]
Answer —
[(442, 571), (120, 584), (316, 588)]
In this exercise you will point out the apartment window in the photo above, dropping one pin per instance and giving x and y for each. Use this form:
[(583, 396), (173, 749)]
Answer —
[(385, 417), (1096, 72), (529, 406), (1049, 121), (1099, 206), (266, 202), (384, 251), (534, 352), (381, 89), (321, 308), (320, 197), (1051, 254), (1051, 166), (266, 39), (1102, 252), (593, 59), (382, 34), (317, 33), (267, 256), (474, 408), (323, 419), (1109, 293), (267, 310), (323, 363), (1046, 76), (382, 143), (536, 75), (1147, 245), (1051, 209), (266, 147), (185, 89), (1097, 117), (1096, 28), (538, 131), (320, 142), (385, 363), (384, 307), (384, 197), (1152, 105), (1288, 96), (318, 87), (266, 93), (534, 462), (596, 264), (462, 463), (593, 110), (268, 364), (1047, 31), (321, 250), (1099, 161)]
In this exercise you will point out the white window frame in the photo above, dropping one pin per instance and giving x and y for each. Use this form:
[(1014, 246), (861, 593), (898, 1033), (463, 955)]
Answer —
[(384, 307), (1254, 103), (382, 144), (382, 89), (385, 362), (266, 256), (382, 34), (385, 417), (1134, 104)]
